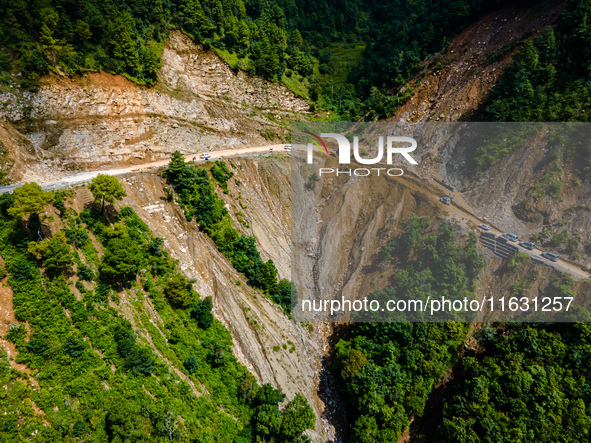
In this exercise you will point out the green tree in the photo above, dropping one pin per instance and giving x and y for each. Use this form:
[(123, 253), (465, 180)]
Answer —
[(123, 258), (296, 38), (30, 199), (123, 43), (201, 312), (269, 278), (178, 292), (151, 62), (106, 188), (191, 364), (297, 417), (267, 421), (55, 253), (50, 45), (353, 364)]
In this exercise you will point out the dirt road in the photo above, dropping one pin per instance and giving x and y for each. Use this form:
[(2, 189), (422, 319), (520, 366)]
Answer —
[(84, 177), (459, 208)]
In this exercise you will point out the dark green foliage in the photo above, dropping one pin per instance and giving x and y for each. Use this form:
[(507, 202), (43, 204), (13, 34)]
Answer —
[(283, 294), (138, 358), (122, 260), (77, 236), (6, 202), (85, 273), (5, 63), (74, 347), (202, 314), (270, 424), (201, 201), (55, 254), (178, 291), (528, 374), (191, 364), (79, 429), (432, 266), (388, 369), (94, 371), (548, 80), (222, 174), (297, 417), (59, 202), (303, 40), (20, 270), (154, 246), (267, 395), (517, 262)]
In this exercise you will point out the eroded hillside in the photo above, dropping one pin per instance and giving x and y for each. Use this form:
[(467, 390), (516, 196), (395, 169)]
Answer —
[(454, 84), (273, 347), (531, 191), (97, 119)]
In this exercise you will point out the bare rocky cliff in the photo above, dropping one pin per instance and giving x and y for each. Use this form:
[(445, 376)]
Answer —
[(99, 120)]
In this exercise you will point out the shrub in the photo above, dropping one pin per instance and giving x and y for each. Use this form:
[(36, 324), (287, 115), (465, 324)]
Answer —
[(191, 364), (201, 312), (178, 292), (85, 273), (79, 428), (74, 347), (21, 270)]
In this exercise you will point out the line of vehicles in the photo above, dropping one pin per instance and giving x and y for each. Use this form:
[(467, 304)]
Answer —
[(207, 155), (530, 246)]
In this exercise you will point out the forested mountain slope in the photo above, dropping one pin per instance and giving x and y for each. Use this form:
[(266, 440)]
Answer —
[(117, 342), (110, 338)]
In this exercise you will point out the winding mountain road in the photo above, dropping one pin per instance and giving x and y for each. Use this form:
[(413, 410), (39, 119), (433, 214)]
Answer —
[(84, 177), (458, 208)]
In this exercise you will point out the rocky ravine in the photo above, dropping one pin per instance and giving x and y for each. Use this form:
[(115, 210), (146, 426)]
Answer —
[(98, 119)]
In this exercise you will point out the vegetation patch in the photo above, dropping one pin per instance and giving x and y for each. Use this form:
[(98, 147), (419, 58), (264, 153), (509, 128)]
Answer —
[(99, 378)]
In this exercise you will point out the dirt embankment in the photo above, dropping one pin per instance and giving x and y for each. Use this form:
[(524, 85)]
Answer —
[(100, 120)]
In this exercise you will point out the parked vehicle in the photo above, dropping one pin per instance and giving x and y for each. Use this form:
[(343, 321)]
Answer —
[(205, 156), (527, 245), (550, 256), (445, 200), (484, 227), (510, 237), (288, 147)]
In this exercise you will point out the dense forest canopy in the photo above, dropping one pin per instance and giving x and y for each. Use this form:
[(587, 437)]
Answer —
[(351, 56), (300, 41), (531, 382)]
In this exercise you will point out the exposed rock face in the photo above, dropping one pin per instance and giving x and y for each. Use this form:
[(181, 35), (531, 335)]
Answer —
[(99, 119), (455, 86)]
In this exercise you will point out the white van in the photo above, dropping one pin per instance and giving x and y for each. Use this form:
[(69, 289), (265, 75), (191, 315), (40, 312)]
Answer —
[(511, 237)]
